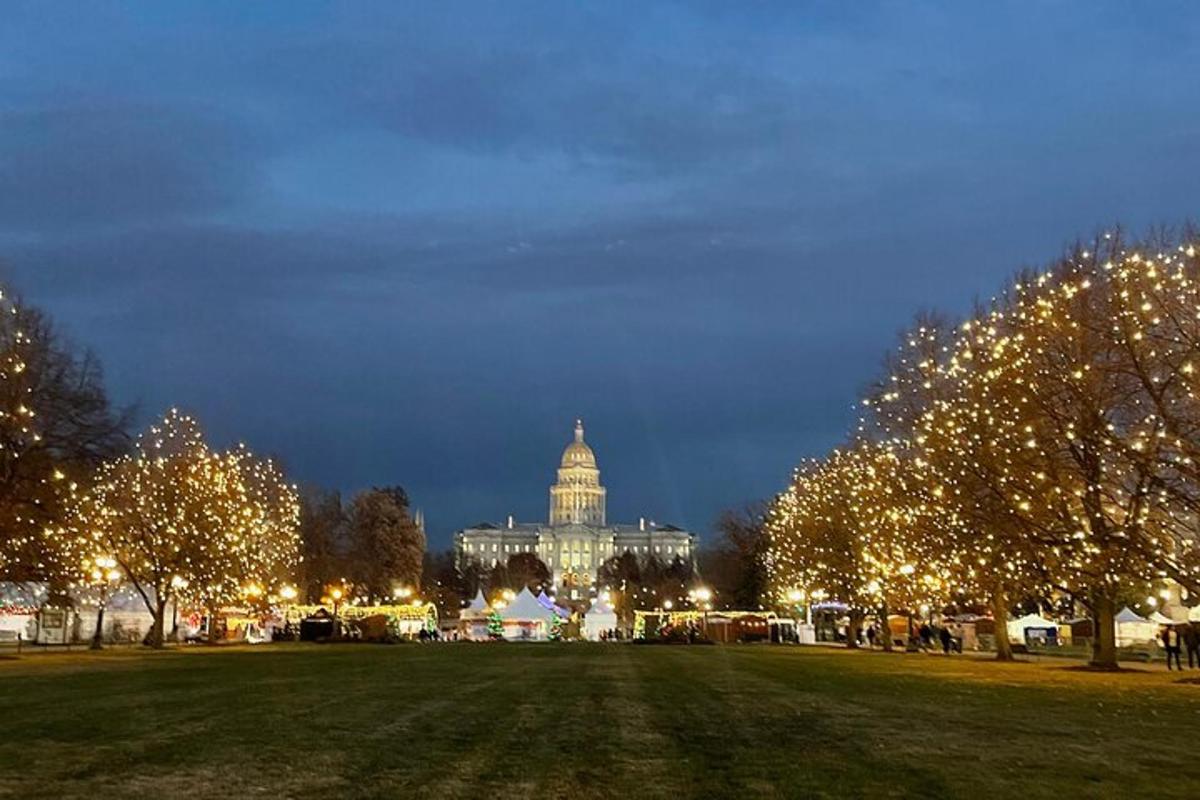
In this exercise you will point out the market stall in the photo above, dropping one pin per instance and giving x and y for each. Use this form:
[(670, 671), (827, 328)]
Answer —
[(1134, 629), (1033, 629), (473, 620), (525, 619), (600, 620)]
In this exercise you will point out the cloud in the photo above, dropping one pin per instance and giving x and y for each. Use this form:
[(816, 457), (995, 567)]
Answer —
[(401, 245), (101, 163)]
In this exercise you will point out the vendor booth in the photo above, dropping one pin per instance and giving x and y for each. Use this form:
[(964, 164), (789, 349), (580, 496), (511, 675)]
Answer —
[(473, 620), (1033, 629), (1134, 629), (719, 626), (600, 622), (404, 621), (525, 619)]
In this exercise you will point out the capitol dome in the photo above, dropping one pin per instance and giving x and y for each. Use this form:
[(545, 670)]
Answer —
[(577, 498), (578, 454)]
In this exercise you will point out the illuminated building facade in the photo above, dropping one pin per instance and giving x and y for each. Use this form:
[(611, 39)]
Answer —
[(577, 538)]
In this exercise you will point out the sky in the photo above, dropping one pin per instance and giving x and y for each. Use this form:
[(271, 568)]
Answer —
[(409, 243)]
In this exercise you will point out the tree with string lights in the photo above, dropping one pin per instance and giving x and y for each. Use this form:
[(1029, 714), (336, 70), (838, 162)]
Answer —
[(56, 427), (814, 549), (849, 530), (1109, 524), (1048, 447), (183, 522)]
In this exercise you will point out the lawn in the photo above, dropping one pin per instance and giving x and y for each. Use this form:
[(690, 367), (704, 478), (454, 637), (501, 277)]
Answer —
[(573, 720)]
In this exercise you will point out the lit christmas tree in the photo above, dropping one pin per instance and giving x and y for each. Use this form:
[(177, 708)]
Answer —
[(495, 625)]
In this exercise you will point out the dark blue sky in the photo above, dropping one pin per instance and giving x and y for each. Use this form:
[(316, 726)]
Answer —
[(410, 242)]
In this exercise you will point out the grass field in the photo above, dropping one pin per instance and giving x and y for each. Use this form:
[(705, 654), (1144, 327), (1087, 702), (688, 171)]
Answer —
[(550, 721)]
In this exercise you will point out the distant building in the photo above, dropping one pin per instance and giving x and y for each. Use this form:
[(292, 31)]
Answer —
[(577, 539)]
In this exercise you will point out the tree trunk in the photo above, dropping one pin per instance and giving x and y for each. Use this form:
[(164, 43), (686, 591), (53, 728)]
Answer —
[(1104, 640), (885, 629), (853, 629), (98, 636), (155, 638), (1004, 651), (211, 638)]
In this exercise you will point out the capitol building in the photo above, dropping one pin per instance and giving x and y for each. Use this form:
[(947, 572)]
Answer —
[(577, 537)]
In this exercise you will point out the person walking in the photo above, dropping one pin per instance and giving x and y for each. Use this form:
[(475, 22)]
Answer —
[(871, 638), (1191, 640), (944, 635), (1171, 640)]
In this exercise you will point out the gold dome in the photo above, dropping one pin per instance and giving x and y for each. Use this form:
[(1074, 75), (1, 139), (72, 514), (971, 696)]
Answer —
[(578, 454)]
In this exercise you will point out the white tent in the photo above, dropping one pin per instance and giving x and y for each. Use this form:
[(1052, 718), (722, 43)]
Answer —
[(1158, 618), (1017, 627), (1133, 629), (599, 618), (477, 607), (472, 620), (525, 618)]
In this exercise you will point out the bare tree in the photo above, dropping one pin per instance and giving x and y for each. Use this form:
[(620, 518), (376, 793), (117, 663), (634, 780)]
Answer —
[(386, 546), (526, 570)]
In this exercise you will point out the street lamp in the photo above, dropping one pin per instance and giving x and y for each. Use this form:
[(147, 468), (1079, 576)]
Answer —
[(178, 584), (797, 597), (336, 594), (701, 596), (104, 574)]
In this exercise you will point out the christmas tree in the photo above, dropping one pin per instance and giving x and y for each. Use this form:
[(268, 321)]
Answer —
[(495, 626)]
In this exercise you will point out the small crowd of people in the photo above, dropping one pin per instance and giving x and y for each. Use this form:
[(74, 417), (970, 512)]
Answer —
[(1176, 638), (926, 638)]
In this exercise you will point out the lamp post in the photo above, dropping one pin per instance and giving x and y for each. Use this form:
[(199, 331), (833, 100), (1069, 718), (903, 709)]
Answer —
[(797, 597), (701, 597), (104, 574), (178, 583)]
